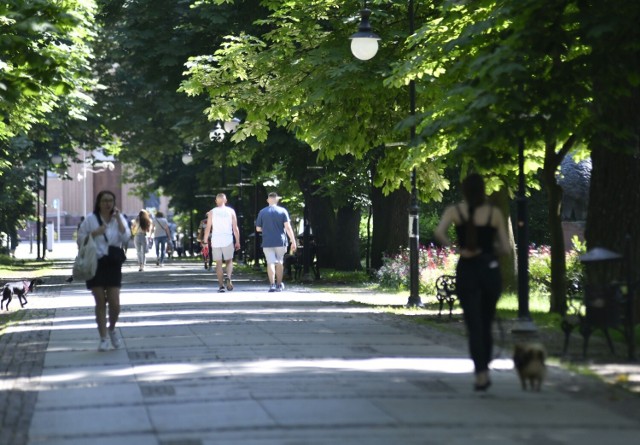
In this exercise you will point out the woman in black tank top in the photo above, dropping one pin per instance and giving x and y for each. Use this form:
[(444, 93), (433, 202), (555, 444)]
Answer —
[(482, 236)]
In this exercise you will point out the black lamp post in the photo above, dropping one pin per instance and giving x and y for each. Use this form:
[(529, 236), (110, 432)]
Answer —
[(191, 241), (306, 245), (524, 323), (256, 234), (240, 213), (44, 217), (217, 135), (55, 159), (38, 221), (364, 45)]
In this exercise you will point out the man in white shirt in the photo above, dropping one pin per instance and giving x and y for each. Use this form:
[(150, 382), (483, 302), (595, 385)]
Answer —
[(223, 226)]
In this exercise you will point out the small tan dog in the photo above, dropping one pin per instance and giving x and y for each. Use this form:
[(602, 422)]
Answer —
[(529, 360)]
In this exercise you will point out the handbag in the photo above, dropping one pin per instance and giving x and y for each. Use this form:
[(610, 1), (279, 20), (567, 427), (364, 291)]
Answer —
[(116, 255), (86, 263)]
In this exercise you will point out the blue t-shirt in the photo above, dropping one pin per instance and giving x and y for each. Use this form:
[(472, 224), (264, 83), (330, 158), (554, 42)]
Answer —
[(272, 220)]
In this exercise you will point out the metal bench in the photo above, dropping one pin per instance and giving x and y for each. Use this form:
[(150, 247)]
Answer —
[(446, 292), (603, 305)]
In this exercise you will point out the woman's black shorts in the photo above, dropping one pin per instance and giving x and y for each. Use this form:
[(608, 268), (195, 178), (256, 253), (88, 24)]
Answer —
[(108, 274)]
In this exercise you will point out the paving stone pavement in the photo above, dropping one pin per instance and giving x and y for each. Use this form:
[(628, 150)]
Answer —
[(251, 367), (22, 356)]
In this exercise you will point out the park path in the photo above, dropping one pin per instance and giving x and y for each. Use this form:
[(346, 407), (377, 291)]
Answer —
[(251, 367)]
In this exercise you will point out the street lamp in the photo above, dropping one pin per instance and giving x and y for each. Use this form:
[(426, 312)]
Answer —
[(187, 158), (364, 43), (55, 159), (102, 166), (524, 324), (217, 135), (232, 125), (366, 46), (39, 229)]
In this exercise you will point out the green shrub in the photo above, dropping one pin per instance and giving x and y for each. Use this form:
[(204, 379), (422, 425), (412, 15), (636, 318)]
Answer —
[(540, 269)]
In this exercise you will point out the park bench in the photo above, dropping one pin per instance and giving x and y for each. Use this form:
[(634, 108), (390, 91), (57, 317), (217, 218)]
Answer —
[(446, 292), (294, 264), (604, 305), (600, 308)]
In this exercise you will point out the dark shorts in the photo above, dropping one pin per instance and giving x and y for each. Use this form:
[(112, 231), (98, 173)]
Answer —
[(107, 275)]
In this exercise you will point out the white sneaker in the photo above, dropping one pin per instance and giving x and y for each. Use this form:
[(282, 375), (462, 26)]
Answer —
[(115, 341), (104, 345)]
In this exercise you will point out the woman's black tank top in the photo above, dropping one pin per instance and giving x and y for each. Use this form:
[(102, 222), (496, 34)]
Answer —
[(485, 234)]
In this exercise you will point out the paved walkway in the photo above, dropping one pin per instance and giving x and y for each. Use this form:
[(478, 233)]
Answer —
[(251, 367)]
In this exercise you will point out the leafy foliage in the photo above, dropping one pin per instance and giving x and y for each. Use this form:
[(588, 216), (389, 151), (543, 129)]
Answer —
[(45, 55), (299, 74), (45, 91)]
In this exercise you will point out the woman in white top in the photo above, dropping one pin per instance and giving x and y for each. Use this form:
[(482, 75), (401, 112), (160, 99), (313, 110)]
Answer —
[(141, 230), (108, 228)]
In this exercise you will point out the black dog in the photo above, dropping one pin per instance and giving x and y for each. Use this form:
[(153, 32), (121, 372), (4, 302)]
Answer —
[(19, 289)]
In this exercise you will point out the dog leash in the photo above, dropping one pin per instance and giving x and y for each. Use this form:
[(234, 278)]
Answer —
[(502, 343)]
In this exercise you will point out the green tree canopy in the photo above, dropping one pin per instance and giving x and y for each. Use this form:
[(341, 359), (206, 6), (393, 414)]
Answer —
[(46, 82), (45, 55), (300, 75)]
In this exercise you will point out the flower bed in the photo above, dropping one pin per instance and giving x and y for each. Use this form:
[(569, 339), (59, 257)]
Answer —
[(436, 261)]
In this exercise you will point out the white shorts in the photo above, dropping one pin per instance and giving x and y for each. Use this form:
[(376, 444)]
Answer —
[(222, 253), (274, 254)]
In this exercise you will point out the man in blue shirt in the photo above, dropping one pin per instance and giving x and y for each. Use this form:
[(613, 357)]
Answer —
[(274, 223)]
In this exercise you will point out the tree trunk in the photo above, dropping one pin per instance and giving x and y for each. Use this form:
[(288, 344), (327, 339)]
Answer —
[(614, 205), (508, 268), (390, 223), (347, 247), (323, 225), (558, 297)]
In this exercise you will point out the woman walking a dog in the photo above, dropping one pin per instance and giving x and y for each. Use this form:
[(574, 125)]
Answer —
[(109, 230), (482, 236), (140, 231)]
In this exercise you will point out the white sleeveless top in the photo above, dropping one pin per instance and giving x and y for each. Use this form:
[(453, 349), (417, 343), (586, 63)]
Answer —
[(221, 226)]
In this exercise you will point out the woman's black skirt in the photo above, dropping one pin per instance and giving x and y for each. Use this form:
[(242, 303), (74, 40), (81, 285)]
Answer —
[(108, 274)]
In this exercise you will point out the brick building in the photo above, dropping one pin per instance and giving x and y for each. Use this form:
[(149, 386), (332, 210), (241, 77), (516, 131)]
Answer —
[(70, 199)]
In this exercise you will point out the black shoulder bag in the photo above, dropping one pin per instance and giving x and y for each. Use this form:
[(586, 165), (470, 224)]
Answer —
[(115, 254)]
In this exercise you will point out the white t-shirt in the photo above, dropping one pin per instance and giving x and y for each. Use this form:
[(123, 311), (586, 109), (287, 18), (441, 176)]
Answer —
[(222, 226), (161, 227)]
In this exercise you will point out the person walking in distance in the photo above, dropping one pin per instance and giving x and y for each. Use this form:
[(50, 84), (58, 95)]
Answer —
[(205, 245), (274, 223), (108, 228), (482, 236), (140, 229), (222, 224), (161, 234)]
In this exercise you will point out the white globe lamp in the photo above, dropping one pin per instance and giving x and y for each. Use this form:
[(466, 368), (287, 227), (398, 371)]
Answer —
[(364, 43)]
